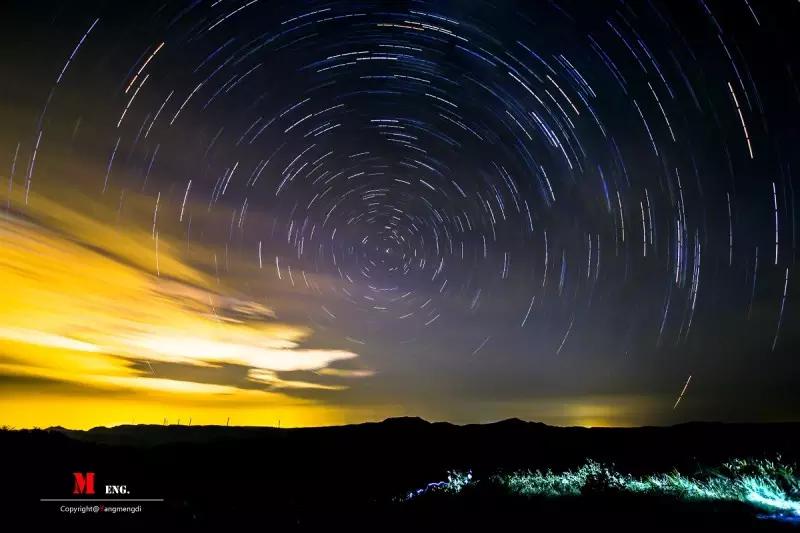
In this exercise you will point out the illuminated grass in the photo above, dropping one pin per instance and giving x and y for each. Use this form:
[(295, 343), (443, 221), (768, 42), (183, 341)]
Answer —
[(766, 485)]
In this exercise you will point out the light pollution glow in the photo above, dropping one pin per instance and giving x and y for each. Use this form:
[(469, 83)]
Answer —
[(100, 316), (91, 307)]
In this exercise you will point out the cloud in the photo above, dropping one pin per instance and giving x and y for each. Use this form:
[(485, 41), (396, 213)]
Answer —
[(270, 378), (345, 373), (89, 301)]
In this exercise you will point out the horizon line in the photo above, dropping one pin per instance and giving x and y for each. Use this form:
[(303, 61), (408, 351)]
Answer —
[(394, 418)]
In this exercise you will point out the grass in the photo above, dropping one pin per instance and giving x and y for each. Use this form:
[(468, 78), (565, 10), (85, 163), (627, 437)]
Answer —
[(766, 485)]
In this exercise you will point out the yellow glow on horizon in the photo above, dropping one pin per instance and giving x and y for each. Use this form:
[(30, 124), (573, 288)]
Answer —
[(87, 325), (35, 409), (84, 304)]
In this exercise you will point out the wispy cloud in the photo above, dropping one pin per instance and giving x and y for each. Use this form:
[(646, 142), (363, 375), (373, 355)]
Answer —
[(90, 302)]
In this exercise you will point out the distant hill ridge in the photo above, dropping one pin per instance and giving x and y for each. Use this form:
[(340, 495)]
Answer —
[(740, 438)]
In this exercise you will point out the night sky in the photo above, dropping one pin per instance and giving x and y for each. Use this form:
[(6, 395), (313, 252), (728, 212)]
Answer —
[(576, 212)]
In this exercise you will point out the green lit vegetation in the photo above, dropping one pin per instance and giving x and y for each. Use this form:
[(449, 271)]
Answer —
[(767, 485)]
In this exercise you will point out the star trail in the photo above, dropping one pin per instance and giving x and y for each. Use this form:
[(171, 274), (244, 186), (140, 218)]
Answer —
[(562, 211)]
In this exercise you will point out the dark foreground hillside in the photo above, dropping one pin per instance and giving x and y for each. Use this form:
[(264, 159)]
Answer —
[(378, 476)]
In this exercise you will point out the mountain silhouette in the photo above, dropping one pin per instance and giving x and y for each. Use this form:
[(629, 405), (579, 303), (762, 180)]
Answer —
[(302, 478)]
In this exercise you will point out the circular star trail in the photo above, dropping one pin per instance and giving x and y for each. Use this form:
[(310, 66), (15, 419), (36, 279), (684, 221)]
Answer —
[(549, 195)]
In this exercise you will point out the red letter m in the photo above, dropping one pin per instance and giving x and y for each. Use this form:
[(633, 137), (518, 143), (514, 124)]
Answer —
[(84, 483)]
